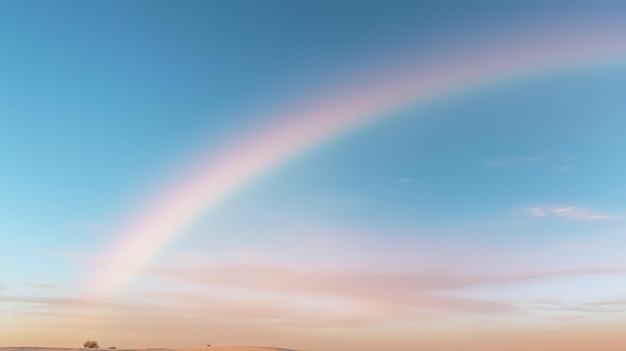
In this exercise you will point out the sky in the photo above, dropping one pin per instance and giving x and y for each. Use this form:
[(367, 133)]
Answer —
[(330, 176)]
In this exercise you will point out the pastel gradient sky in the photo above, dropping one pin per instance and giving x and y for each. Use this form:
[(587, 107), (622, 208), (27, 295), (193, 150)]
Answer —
[(331, 176)]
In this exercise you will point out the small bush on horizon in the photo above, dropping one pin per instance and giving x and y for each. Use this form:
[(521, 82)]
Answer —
[(91, 344)]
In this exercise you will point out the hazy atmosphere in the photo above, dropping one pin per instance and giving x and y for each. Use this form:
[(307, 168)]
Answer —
[(313, 175)]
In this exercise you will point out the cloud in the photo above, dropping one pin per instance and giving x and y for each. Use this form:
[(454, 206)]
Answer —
[(260, 300), (398, 290), (404, 180), (38, 285), (562, 168), (599, 306), (495, 162), (570, 213), (66, 302), (402, 291), (508, 161), (531, 159), (554, 162)]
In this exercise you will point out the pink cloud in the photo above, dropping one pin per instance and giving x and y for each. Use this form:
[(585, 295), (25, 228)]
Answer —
[(570, 213)]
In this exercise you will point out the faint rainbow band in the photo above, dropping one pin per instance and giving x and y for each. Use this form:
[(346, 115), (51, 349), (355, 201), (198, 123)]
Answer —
[(221, 174)]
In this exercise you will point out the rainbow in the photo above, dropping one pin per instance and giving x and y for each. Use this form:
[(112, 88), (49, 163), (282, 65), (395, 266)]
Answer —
[(219, 174)]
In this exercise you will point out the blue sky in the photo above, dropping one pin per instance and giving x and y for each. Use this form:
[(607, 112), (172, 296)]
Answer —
[(515, 185)]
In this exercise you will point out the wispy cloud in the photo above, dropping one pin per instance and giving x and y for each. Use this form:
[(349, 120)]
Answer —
[(554, 162), (496, 162), (398, 290), (241, 299), (602, 306), (508, 161), (404, 180), (532, 159), (570, 213), (562, 168), (38, 285)]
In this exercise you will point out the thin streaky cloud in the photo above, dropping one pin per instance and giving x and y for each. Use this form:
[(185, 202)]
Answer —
[(69, 302), (531, 159), (508, 161), (495, 163), (569, 213), (562, 168), (352, 282), (536, 211), (404, 180), (535, 160), (38, 285)]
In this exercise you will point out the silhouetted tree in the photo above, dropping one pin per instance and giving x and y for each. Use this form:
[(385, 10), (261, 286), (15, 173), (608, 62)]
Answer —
[(91, 344)]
